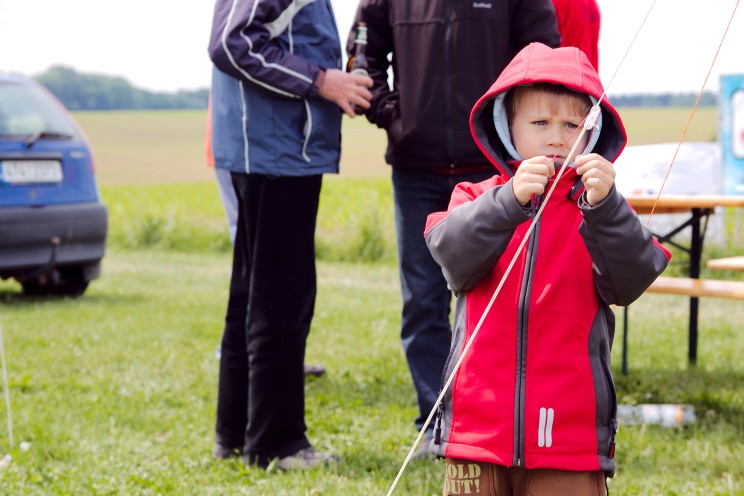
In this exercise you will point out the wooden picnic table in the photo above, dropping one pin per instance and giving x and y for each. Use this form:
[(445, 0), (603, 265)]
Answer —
[(700, 207), (671, 204)]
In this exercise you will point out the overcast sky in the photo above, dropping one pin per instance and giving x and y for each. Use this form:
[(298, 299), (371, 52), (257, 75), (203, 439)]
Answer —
[(161, 44)]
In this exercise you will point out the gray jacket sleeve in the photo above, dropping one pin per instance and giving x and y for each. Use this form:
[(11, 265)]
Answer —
[(626, 257), (241, 45), (471, 238)]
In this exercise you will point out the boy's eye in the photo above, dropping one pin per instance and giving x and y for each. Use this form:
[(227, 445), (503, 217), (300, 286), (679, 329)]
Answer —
[(539, 123), (571, 125)]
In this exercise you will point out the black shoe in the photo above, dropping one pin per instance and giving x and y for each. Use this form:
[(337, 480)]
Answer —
[(314, 370), (220, 452)]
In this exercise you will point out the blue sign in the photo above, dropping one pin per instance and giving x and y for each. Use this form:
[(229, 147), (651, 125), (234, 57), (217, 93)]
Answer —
[(732, 133)]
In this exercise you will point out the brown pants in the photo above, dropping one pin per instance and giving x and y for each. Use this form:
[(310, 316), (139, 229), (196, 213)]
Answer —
[(488, 479)]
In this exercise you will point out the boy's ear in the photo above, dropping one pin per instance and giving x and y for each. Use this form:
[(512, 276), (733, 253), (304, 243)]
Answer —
[(611, 139)]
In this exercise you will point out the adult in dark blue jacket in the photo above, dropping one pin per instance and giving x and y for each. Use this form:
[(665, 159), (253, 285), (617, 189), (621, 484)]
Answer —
[(276, 122)]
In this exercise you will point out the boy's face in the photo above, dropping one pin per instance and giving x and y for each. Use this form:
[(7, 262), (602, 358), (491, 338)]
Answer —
[(545, 126)]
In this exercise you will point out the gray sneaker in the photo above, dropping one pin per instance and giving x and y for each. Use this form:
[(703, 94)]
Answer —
[(422, 450), (311, 370), (304, 459)]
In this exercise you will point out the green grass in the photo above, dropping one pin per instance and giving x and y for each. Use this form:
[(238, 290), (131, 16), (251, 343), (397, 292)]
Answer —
[(355, 220), (145, 147), (649, 125), (116, 391), (155, 147)]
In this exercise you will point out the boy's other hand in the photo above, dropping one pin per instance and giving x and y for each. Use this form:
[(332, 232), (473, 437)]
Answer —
[(531, 177), (598, 176)]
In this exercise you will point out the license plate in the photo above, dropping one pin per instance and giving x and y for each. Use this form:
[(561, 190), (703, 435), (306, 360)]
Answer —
[(31, 171)]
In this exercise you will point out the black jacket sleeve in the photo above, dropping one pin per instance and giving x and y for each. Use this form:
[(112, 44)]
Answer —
[(384, 104)]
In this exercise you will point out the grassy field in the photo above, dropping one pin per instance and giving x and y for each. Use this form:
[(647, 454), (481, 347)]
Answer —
[(169, 146), (114, 393)]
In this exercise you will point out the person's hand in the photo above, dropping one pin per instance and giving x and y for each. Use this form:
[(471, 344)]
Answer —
[(598, 176), (531, 177), (344, 89)]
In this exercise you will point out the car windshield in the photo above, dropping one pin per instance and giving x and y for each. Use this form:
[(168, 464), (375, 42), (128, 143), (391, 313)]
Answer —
[(26, 110)]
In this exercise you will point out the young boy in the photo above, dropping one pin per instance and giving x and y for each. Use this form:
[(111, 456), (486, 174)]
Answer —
[(532, 408)]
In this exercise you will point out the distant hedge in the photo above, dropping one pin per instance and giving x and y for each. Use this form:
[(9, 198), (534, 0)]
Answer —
[(82, 91), (79, 91)]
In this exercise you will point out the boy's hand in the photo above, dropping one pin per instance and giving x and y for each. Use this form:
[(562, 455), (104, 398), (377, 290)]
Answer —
[(531, 177), (598, 176)]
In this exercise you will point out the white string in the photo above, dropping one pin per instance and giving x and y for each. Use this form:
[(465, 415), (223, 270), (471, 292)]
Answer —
[(511, 264), (7, 392)]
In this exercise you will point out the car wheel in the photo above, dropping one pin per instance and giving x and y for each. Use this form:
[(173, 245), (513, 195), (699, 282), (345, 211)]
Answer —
[(68, 281)]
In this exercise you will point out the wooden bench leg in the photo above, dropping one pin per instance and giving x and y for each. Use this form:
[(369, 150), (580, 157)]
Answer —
[(625, 341)]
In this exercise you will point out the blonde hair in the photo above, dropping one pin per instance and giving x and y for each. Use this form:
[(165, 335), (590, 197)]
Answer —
[(556, 94)]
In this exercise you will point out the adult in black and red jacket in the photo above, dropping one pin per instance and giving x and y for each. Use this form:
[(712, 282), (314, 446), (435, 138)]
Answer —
[(445, 54)]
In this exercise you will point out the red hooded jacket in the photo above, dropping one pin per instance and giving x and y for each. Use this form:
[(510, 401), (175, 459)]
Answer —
[(535, 389)]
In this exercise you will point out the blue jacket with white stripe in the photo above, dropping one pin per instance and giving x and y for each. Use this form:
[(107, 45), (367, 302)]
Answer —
[(267, 117)]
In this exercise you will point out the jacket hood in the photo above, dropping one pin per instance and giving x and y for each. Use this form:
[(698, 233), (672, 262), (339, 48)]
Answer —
[(538, 63)]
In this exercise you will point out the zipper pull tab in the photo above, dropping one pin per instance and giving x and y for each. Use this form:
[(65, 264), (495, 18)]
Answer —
[(536, 202), (438, 428), (614, 427)]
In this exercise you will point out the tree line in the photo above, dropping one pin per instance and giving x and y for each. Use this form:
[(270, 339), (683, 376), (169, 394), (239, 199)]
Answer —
[(707, 99), (81, 91)]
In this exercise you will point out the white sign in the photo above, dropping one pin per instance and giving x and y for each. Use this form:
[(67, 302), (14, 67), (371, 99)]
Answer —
[(737, 124), (697, 170)]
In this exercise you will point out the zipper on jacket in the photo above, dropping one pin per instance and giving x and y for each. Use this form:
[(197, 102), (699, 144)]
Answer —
[(522, 321), (439, 419), (438, 425)]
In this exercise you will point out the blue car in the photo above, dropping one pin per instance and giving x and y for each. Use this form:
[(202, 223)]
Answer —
[(53, 224)]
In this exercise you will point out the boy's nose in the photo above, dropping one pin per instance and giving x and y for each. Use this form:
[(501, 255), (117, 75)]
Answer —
[(556, 137)]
